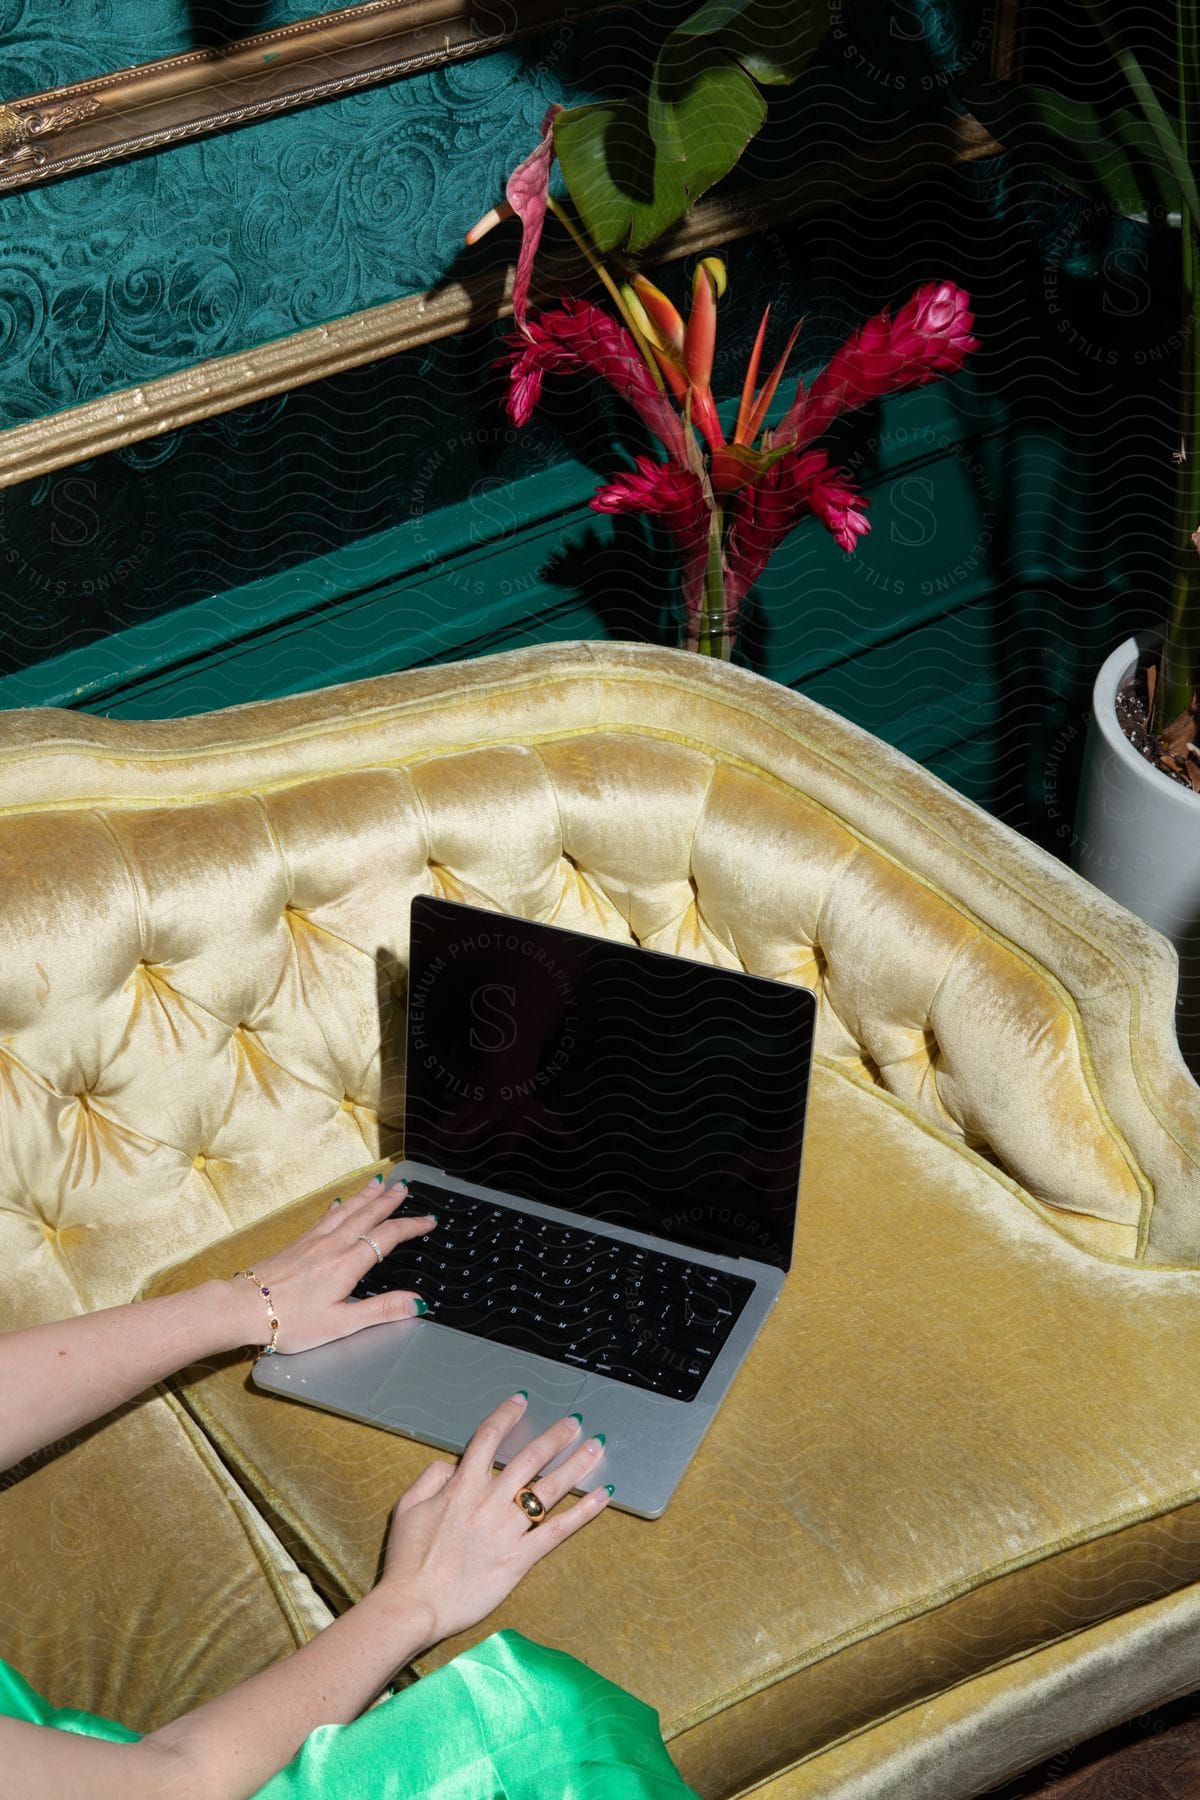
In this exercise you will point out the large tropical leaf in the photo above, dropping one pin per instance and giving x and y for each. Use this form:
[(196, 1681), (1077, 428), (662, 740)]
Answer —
[(626, 189), (633, 167), (1116, 156), (1166, 131)]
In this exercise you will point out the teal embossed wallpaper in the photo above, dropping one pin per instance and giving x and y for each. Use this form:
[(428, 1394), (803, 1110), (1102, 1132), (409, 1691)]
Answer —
[(48, 45), (132, 271)]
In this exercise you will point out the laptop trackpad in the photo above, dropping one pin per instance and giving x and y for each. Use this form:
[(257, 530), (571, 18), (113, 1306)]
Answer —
[(444, 1383)]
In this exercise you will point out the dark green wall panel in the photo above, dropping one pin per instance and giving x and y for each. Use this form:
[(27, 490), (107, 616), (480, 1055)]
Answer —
[(203, 512), (907, 637), (507, 560)]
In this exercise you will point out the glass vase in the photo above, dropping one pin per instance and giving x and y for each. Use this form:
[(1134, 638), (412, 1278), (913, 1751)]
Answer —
[(710, 629)]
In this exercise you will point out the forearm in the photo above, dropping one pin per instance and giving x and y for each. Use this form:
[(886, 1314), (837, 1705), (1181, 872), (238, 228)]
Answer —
[(58, 1377), (229, 1747)]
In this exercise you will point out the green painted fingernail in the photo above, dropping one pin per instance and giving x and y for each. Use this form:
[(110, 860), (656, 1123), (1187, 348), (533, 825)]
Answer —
[(524, 1393), (377, 1178), (578, 1418), (434, 1216), (338, 1201), (600, 1437), (609, 1489), (421, 1306)]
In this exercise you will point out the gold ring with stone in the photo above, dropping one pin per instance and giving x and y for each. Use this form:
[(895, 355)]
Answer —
[(364, 1239), (533, 1508)]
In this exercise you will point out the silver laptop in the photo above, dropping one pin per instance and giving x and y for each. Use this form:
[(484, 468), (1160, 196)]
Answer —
[(611, 1138)]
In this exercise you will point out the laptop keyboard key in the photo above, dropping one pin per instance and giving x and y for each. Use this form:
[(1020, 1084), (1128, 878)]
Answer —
[(655, 1321)]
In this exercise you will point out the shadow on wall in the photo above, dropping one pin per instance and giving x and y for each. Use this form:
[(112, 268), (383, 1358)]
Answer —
[(216, 22)]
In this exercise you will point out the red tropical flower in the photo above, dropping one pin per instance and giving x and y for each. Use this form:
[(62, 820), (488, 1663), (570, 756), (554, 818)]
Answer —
[(730, 503), (580, 335), (684, 353), (677, 497), (763, 514), (840, 508), (539, 352), (929, 337), (527, 195)]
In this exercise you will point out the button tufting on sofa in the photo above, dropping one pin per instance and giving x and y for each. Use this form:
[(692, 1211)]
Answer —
[(64, 1237)]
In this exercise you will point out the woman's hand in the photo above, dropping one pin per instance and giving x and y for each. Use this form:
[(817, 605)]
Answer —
[(311, 1279), (459, 1543), (56, 1378)]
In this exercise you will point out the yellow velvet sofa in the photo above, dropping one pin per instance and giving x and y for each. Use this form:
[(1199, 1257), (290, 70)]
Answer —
[(948, 1519)]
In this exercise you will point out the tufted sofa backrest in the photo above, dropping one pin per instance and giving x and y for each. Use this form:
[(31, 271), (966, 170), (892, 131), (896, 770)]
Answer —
[(204, 924)]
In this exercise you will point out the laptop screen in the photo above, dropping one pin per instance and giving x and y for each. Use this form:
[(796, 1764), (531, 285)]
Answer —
[(622, 1084)]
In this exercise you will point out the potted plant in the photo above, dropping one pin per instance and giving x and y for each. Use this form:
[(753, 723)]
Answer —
[(1138, 823), (728, 493)]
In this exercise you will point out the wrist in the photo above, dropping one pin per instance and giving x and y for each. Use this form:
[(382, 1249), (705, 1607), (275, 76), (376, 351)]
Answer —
[(406, 1614), (239, 1313)]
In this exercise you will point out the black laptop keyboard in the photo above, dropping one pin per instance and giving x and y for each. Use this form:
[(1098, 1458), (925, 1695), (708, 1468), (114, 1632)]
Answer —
[(655, 1321)]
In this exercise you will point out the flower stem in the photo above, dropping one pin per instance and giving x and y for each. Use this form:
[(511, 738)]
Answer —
[(615, 294), (710, 629)]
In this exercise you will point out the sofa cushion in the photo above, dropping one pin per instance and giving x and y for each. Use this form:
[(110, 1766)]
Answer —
[(203, 951), (138, 1582), (959, 1436)]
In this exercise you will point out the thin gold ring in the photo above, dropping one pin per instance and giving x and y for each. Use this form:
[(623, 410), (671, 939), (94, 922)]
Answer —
[(529, 1503), (362, 1238)]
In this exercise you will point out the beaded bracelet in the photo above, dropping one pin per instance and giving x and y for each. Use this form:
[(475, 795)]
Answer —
[(267, 1349)]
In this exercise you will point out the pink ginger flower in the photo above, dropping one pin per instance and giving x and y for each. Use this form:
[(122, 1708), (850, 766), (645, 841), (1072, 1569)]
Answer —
[(933, 329), (763, 513), (579, 335), (840, 509), (677, 497), (929, 337), (539, 352)]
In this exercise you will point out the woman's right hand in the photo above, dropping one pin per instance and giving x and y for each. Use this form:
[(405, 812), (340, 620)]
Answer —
[(457, 1546), (459, 1543)]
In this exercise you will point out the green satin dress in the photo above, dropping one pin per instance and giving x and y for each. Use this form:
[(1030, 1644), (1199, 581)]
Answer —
[(507, 1720)]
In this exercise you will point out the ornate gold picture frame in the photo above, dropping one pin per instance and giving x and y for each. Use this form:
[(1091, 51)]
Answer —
[(158, 104)]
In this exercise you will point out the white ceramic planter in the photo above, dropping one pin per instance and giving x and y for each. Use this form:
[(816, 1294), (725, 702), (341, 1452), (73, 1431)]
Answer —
[(1137, 836)]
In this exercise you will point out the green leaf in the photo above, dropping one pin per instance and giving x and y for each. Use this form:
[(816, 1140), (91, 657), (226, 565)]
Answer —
[(774, 40), (1115, 155), (702, 108), (1153, 111), (628, 192), (633, 167)]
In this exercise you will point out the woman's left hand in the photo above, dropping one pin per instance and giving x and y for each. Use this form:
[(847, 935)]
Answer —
[(311, 1279)]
